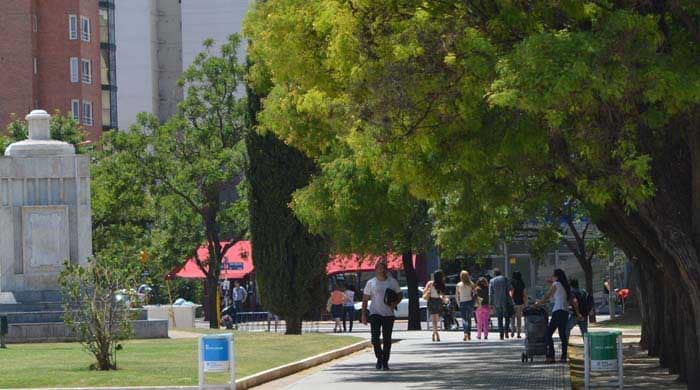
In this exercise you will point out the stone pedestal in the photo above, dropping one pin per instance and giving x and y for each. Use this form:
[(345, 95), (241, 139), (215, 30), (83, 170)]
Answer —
[(44, 210)]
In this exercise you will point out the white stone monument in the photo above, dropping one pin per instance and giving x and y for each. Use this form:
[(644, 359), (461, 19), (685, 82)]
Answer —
[(44, 211)]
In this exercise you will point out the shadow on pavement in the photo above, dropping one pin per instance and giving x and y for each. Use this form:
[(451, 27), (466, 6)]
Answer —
[(449, 365)]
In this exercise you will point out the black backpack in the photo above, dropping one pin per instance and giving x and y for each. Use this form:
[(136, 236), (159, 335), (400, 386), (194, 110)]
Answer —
[(585, 302)]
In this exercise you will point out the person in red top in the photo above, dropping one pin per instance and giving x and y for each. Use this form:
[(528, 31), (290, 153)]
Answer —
[(336, 301)]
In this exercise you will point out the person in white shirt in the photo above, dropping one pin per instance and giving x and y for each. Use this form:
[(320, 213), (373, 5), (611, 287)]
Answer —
[(349, 307), (381, 314), (239, 295), (464, 294), (561, 294)]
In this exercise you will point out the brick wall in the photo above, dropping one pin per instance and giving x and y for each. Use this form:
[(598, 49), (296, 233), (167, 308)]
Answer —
[(16, 59), (51, 88)]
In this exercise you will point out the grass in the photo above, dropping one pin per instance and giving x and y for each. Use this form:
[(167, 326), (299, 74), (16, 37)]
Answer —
[(152, 362), (630, 321)]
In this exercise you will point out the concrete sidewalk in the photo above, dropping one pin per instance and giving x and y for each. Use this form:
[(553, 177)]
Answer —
[(418, 363)]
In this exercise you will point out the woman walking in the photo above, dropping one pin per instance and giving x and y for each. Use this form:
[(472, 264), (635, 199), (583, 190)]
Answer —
[(385, 294), (560, 292), (483, 312), (434, 293), (464, 294), (337, 299), (349, 307), (519, 299)]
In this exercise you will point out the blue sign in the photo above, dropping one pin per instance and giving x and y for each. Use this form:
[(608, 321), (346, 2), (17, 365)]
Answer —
[(234, 266), (215, 353)]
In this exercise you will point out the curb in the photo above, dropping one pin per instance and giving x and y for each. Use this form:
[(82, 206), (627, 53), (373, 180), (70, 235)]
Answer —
[(255, 379), (293, 368)]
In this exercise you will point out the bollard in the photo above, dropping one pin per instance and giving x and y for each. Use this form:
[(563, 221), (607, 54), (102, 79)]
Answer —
[(3, 330)]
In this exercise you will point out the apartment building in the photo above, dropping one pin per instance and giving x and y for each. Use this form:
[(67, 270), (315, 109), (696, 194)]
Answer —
[(50, 58), (156, 40)]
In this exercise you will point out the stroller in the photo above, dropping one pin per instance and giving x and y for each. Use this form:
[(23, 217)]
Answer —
[(449, 319), (535, 327)]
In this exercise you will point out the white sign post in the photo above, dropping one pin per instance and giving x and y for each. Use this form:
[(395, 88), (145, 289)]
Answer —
[(216, 355)]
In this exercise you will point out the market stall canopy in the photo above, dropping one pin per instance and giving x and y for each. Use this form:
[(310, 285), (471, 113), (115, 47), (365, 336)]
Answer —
[(237, 264), (340, 264)]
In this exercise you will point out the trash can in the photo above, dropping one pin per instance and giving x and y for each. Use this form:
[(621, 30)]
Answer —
[(603, 352)]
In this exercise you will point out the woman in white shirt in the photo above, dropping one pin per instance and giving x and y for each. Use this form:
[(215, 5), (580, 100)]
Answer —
[(464, 294), (560, 292), (381, 313)]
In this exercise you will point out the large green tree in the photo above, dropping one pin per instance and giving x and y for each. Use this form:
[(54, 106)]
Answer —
[(494, 105), (290, 262), (361, 213), (193, 163)]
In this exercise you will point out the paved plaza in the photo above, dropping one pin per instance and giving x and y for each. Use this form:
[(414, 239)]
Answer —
[(418, 363)]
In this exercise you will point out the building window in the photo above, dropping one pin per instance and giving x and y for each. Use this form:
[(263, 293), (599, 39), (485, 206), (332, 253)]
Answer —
[(75, 109), (87, 113), (72, 27), (85, 29), (35, 23), (104, 25), (74, 78), (36, 65), (87, 71), (106, 108)]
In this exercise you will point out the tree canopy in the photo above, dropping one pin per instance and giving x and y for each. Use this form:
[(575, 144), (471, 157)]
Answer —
[(489, 109), (192, 167)]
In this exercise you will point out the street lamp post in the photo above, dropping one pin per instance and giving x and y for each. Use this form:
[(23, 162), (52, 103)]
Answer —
[(611, 283)]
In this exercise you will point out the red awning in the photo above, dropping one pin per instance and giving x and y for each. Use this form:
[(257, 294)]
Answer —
[(237, 264), (355, 263)]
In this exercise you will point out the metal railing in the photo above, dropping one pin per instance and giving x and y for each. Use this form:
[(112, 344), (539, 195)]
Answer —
[(263, 321)]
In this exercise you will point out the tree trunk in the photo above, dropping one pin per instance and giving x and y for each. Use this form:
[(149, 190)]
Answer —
[(639, 289), (669, 262), (412, 284), (212, 292), (588, 276), (294, 325)]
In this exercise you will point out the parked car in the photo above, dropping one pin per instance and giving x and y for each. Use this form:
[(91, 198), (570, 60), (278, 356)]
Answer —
[(402, 309)]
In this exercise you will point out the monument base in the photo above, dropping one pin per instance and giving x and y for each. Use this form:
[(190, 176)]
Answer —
[(7, 298)]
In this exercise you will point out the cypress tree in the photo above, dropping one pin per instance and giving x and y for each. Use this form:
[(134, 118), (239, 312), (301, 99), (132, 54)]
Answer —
[(290, 263)]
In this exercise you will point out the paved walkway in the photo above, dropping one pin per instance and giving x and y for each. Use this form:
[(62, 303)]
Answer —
[(418, 363)]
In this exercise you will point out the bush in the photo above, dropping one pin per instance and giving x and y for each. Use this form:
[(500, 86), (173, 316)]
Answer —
[(96, 309)]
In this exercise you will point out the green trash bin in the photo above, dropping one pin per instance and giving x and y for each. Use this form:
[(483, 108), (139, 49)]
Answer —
[(603, 352)]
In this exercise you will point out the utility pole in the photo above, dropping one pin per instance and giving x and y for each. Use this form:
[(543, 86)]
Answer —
[(505, 260), (611, 283)]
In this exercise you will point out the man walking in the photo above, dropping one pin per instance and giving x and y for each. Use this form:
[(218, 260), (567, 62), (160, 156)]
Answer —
[(239, 296), (498, 298)]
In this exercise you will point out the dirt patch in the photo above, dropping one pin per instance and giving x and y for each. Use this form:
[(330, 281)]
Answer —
[(640, 370)]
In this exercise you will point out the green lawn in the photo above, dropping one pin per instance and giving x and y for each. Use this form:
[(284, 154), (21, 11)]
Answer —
[(152, 362), (630, 321)]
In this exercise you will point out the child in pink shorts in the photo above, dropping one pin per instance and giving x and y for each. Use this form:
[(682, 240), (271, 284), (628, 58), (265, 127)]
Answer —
[(483, 313)]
